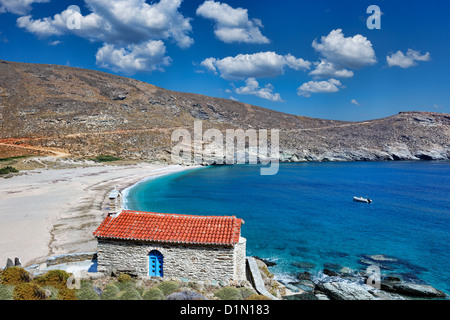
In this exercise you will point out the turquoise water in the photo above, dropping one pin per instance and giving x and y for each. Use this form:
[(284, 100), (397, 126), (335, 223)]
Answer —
[(305, 213)]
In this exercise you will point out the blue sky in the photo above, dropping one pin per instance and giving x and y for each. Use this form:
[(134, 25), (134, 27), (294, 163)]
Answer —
[(311, 58)]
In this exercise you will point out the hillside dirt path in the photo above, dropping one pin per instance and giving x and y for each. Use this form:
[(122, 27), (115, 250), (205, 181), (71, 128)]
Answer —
[(60, 153)]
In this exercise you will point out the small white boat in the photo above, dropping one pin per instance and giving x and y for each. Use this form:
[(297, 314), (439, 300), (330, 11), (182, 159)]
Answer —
[(361, 199)]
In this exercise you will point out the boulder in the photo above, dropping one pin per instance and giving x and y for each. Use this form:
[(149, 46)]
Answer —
[(302, 296), (304, 276), (417, 290), (339, 290), (304, 265), (305, 285), (330, 273), (9, 263)]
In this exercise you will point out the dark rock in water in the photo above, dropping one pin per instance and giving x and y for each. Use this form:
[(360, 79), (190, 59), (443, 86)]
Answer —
[(332, 266), (380, 258), (305, 285), (304, 276), (330, 273), (266, 262), (418, 290), (337, 254), (17, 262), (9, 263), (303, 265), (302, 296), (392, 278), (374, 263)]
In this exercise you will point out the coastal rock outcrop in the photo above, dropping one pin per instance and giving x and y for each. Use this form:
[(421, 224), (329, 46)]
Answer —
[(412, 289), (339, 290)]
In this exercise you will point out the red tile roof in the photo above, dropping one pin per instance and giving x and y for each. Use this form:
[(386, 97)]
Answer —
[(171, 228)]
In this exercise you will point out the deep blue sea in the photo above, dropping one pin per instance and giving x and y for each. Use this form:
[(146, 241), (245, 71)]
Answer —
[(304, 218)]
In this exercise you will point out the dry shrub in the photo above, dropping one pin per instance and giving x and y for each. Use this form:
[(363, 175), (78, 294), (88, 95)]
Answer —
[(14, 275), (28, 291)]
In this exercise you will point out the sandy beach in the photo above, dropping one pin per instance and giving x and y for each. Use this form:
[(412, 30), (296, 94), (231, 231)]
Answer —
[(47, 212)]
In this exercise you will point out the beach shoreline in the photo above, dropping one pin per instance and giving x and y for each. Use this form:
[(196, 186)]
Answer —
[(48, 212)]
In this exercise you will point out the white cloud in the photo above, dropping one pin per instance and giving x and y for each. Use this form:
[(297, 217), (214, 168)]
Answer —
[(54, 43), (232, 24), (326, 69), (297, 64), (351, 52), (328, 86), (118, 22), (257, 65), (208, 64), (401, 60), (123, 26), (19, 7), (145, 57), (356, 103), (252, 87)]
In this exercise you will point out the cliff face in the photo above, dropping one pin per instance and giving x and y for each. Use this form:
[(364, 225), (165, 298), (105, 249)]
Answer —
[(64, 111)]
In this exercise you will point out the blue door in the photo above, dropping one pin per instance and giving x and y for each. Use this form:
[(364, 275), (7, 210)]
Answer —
[(155, 264)]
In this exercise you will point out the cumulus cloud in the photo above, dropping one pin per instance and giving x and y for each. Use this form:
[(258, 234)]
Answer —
[(351, 52), (399, 59), (331, 85), (258, 65), (123, 26), (326, 69), (118, 21), (252, 87), (232, 24), (149, 56), (19, 7)]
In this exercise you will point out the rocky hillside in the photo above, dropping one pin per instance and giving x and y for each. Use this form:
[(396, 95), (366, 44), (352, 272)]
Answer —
[(64, 111)]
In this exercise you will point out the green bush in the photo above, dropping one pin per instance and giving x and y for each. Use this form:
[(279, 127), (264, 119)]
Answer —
[(257, 297), (66, 294), (229, 293), (185, 295), (86, 291), (53, 278), (6, 292), (153, 294), (105, 158), (14, 275), (124, 277), (111, 292), (28, 291), (168, 287), (125, 285), (246, 292), (130, 294), (8, 169)]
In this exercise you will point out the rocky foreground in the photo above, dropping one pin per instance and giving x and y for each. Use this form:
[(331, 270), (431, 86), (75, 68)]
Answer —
[(348, 284)]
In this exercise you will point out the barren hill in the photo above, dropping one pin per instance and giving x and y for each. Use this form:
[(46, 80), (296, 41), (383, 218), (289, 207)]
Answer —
[(64, 111)]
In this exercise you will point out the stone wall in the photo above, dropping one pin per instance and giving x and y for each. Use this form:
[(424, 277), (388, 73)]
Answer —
[(194, 262), (240, 260)]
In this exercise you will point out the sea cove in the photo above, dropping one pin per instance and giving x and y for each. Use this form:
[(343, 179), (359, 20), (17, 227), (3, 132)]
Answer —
[(304, 219)]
